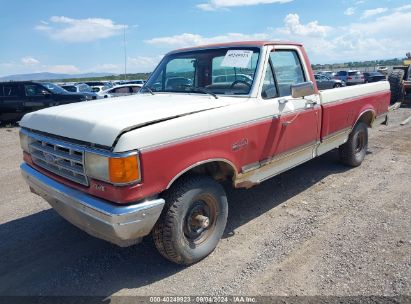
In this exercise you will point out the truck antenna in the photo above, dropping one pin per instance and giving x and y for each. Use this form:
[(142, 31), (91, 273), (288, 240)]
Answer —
[(125, 54)]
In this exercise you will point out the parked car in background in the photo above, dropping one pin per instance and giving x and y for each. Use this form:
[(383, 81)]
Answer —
[(350, 77), (374, 77), (80, 88), (18, 98), (341, 75), (121, 90), (137, 81), (325, 82), (97, 86), (382, 70), (232, 77), (328, 73)]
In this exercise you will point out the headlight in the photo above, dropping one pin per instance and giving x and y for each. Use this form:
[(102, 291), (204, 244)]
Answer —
[(113, 169), (25, 141)]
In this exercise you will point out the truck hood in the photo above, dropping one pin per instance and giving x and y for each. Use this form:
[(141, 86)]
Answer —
[(102, 121)]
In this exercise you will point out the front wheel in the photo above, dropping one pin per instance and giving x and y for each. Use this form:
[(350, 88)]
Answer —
[(193, 219), (352, 153)]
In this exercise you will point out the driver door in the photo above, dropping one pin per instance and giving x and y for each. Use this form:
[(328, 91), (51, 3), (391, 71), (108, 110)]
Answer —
[(298, 119)]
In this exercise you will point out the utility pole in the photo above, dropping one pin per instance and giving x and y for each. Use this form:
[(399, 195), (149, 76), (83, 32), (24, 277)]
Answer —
[(125, 54)]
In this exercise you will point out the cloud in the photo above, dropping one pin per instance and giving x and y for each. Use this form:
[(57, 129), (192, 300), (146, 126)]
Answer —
[(213, 5), (373, 12), (79, 30), (377, 38), (403, 8), (187, 39), (144, 63), (29, 61), (293, 26), (349, 11)]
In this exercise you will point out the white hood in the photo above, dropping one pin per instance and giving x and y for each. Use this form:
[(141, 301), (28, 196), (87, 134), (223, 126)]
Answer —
[(101, 121)]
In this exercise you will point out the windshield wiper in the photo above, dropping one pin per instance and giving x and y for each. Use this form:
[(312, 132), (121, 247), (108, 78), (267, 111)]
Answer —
[(148, 89), (204, 90)]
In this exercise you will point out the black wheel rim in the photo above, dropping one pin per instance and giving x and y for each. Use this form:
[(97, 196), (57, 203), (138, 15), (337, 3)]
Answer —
[(199, 221), (360, 142)]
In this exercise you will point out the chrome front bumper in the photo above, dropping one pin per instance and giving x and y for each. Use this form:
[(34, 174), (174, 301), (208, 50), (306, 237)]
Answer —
[(121, 225)]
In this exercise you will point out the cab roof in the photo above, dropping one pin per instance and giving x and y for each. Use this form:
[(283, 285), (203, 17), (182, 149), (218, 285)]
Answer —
[(237, 44)]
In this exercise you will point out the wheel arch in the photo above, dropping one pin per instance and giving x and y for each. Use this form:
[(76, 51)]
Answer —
[(367, 116), (218, 168)]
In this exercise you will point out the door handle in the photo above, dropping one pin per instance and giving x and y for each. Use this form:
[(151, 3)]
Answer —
[(289, 122), (311, 102)]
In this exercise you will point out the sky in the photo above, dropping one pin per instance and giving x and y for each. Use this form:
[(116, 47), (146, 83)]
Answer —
[(87, 36)]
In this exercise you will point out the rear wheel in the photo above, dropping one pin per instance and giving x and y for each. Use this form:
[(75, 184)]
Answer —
[(193, 219), (352, 153), (397, 90), (337, 85)]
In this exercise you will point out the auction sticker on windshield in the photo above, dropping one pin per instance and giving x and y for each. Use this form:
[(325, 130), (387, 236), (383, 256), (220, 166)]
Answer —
[(237, 58)]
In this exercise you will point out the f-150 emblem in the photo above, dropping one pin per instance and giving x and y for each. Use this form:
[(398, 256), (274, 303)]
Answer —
[(241, 144)]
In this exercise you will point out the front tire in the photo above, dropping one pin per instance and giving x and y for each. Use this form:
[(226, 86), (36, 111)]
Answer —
[(193, 220), (352, 153)]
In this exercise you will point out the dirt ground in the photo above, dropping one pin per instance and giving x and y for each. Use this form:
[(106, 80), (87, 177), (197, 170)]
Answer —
[(318, 229)]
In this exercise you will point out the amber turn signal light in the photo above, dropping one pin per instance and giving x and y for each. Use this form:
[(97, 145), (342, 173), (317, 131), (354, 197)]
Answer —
[(124, 170)]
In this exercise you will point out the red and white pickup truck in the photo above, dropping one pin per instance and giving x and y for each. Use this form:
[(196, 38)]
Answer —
[(123, 168)]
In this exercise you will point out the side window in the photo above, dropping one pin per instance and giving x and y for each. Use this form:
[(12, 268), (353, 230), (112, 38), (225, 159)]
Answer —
[(122, 90), (269, 88), (9, 90), (33, 90), (288, 70)]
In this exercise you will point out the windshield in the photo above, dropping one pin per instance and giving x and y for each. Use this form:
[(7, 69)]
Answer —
[(54, 88), (228, 71)]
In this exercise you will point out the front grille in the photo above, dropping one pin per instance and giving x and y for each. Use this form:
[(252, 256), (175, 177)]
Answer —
[(59, 158)]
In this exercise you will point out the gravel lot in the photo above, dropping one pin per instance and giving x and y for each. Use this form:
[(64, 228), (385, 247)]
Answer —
[(319, 229)]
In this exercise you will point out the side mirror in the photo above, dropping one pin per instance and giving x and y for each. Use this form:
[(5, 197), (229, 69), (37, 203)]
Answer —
[(302, 89)]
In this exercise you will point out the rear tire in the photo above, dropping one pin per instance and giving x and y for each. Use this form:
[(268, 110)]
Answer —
[(352, 153), (193, 219), (337, 85), (397, 91)]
